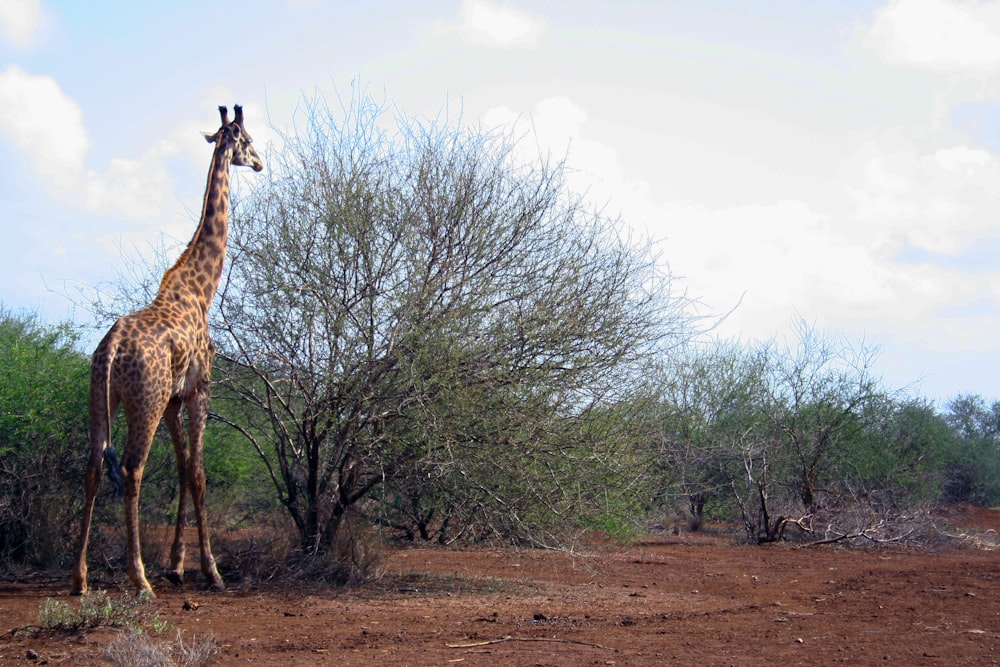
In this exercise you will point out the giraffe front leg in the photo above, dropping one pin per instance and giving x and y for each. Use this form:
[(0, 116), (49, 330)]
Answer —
[(175, 572), (197, 417)]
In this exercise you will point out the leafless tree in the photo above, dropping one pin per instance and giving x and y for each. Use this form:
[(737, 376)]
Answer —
[(406, 300)]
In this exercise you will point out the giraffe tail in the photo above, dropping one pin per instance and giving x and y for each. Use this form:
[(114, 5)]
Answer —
[(100, 407), (114, 472)]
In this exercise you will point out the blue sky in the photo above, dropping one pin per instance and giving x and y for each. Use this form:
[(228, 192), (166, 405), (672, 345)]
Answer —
[(838, 161)]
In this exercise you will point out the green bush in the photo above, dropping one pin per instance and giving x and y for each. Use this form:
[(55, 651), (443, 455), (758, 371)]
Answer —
[(43, 435), (98, 609)]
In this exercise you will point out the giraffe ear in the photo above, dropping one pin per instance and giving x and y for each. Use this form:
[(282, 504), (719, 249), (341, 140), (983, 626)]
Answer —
[(209, 137)]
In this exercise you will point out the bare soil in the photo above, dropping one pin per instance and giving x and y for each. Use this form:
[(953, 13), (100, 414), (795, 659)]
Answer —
[(696, 599)]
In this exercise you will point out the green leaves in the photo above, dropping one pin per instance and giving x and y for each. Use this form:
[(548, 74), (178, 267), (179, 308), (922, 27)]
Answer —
[(43, 435), (770, 432)]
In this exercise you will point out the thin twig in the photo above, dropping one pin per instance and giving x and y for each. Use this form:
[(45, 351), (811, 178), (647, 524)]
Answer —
[(508, 638)]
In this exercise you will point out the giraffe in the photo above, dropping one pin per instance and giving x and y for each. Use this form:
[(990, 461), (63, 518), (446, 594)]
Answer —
[(157, 360)]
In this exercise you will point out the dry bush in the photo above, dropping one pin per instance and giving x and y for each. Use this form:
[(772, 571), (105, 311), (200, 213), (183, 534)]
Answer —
[(256, 554), (155, 541), (137, 649), (271, 552), (108, 550), (353, 559), (869, 525)]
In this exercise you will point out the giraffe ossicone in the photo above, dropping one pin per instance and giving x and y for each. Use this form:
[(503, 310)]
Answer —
[(156, 363)]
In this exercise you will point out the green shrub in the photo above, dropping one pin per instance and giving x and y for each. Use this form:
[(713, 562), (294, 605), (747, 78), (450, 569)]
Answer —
[(98, 609)]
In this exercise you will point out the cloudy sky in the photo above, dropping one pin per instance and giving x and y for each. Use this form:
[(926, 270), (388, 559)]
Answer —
[(837, 161)]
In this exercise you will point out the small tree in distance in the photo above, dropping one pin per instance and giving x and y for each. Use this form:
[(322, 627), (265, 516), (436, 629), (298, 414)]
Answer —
[(801, 436), (413, 312)]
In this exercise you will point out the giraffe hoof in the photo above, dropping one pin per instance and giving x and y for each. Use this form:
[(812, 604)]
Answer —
[(175, 578)]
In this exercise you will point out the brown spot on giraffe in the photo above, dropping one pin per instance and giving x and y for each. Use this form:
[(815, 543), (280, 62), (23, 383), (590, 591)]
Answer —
[(157, 360)]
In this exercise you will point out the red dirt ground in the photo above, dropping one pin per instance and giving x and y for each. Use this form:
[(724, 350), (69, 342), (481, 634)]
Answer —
[(684, 600)]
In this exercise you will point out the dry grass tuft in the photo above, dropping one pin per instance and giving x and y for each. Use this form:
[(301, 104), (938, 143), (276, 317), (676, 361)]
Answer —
[(138, 649)]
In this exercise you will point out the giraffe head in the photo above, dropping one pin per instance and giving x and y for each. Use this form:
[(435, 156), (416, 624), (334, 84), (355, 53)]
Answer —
[(236, 135)]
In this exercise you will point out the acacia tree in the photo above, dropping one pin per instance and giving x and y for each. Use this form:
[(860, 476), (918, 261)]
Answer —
[(711, 412), (797, 435), (415, 301), (822, 393), (973, 471), (819, 395), (905, 454)]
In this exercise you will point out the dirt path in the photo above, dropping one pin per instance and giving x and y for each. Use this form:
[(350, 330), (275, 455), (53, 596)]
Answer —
[(685, 600)]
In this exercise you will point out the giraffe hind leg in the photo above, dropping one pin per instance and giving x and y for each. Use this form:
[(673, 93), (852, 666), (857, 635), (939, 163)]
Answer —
[(143, 421), (92, 485), (100, 439)]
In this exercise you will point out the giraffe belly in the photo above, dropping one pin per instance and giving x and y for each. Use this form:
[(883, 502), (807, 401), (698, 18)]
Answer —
[(192, 378)]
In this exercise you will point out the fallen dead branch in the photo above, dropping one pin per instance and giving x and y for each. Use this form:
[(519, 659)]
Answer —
[(509, 638), (874, 533), (986, 540)]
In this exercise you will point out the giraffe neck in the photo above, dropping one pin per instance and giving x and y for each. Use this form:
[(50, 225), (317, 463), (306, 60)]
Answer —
[(196, 274)]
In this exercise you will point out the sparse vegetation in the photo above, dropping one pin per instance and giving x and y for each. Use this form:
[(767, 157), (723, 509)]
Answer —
[(137, 620), (95, 610), (99, 609), (138, 649), (423, 339), (804, 441)]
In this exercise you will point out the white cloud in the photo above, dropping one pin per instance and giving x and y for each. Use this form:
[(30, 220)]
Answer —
[(555, 127), (788, 259), (939, 35), (918, 214), (940, 201), (755, 251), (962, 159), (46, 125), (131, 189), (20, 21), (495, 24), (920, 204), (835, 260)]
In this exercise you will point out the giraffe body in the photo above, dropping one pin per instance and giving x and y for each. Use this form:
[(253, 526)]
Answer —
[(157, 360)]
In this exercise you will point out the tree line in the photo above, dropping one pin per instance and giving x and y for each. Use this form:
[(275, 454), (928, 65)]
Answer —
[(421, 332)]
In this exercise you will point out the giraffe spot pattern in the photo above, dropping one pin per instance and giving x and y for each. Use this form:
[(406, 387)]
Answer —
[(156, 359)]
